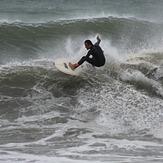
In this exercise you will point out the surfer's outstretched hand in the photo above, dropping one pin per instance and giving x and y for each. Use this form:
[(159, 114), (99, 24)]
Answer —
[(98, 37)]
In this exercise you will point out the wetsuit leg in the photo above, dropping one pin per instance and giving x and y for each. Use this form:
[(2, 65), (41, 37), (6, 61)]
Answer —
[(89, 60), (95, 62), (92, 61)]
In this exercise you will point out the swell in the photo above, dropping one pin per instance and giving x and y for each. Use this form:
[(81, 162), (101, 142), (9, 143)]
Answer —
[(116, 28), (24, 41)]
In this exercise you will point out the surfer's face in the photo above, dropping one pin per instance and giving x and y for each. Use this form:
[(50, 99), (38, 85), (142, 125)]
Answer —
[(87, 46)]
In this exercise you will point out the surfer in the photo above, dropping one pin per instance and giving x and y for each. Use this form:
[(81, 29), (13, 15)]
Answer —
[(98, 58)]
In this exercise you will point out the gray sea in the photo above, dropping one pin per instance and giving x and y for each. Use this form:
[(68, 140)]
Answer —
[(112, 114)]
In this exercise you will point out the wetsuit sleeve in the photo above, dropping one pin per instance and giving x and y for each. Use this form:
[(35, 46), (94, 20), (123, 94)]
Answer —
[(98, 41)]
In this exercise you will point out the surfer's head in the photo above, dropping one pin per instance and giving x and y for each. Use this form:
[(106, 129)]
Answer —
[(88, 44)]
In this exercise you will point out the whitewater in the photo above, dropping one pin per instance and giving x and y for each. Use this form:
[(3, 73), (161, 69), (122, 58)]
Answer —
[(110, 114)]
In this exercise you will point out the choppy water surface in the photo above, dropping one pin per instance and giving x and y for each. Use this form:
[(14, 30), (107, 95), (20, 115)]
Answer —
[(109, 114)]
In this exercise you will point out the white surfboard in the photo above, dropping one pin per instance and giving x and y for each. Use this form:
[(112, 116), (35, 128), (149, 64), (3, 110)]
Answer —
[(62, 65)]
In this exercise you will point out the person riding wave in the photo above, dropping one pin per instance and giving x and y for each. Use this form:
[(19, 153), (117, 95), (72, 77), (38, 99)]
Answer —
[(98, 58)]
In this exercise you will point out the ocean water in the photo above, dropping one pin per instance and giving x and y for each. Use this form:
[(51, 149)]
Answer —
[(111, 114)]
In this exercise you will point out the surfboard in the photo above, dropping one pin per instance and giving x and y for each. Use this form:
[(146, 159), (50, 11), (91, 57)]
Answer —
[(62, 64)]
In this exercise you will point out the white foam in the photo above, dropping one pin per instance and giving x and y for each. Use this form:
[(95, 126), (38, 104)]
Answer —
[(86, 16), (138, 77), (158, 133), (14, 157), (7, 21)]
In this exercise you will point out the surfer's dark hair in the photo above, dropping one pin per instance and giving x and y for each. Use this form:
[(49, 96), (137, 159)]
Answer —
[(89, 42)]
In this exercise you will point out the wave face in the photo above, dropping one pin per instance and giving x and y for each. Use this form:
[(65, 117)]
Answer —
[(23, 41), (113, 113)]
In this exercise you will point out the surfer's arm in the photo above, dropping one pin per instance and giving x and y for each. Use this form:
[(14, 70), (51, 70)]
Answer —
[(98, 40), (84, 58), (81, 61)]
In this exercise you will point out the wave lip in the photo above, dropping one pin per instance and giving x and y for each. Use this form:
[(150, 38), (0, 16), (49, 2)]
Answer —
[(69, 18)]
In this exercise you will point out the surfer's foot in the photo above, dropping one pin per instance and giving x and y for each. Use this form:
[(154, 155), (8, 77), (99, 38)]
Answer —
[(72, 66)]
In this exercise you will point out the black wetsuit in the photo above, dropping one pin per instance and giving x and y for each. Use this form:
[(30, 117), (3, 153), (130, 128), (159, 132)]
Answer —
[(98, 58)]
